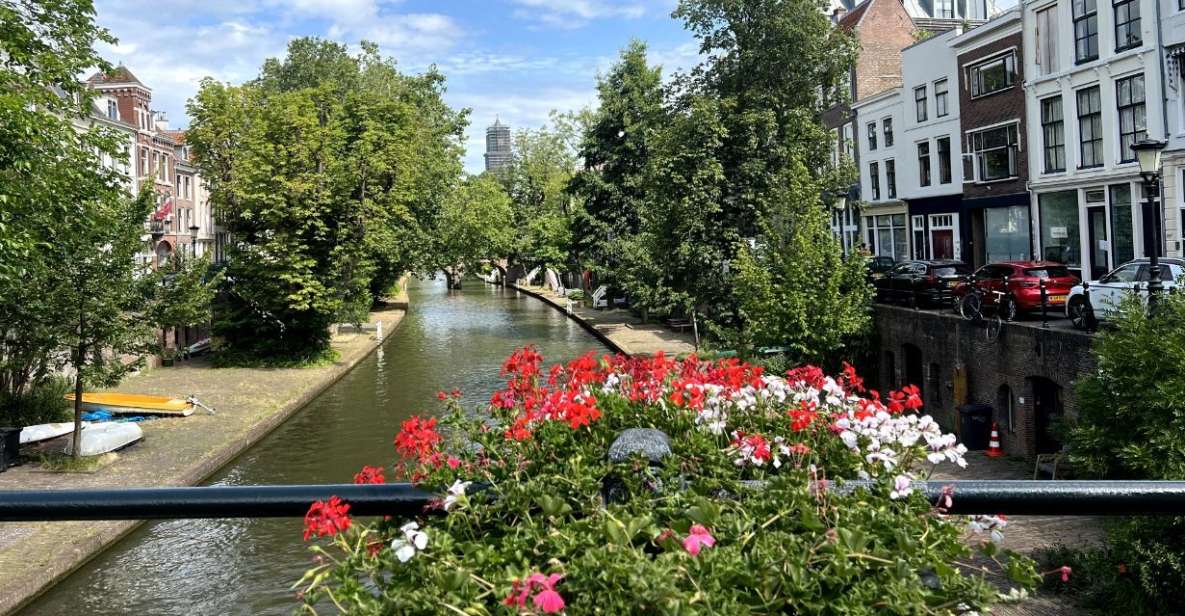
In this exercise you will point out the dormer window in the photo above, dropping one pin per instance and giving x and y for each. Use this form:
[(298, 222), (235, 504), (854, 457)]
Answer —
[(112, 110)]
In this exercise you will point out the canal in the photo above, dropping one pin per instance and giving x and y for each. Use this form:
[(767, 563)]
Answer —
[(246, 566)]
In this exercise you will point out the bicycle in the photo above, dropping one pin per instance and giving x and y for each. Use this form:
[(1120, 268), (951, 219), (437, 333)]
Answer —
[(971, 309)]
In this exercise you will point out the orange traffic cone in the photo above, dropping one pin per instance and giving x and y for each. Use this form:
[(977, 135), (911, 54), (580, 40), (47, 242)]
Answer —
[(993, 450)]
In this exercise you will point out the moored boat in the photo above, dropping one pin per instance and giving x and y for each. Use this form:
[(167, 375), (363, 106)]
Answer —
[(135, 404), (44, 432), (100, 438)]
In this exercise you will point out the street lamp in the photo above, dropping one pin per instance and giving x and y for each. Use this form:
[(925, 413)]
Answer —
[(1148, 153), (193, 233)]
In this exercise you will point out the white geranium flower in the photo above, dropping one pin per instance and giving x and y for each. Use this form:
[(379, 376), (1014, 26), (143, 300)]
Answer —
[(455, 493), (413, 541), (901, 487)]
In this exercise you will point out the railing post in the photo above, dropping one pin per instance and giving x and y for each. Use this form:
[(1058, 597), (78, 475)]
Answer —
[(1044, 306), (1087, 317)]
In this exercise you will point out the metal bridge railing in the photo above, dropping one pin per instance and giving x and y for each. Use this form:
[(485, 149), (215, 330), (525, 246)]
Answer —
[(1063, 498)]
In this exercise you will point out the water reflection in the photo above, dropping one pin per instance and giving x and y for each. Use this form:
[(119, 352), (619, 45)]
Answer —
[(247, 566)]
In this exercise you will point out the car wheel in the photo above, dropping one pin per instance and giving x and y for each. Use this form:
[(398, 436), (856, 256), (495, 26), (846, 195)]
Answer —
[(1009, 309), (1081, 316)]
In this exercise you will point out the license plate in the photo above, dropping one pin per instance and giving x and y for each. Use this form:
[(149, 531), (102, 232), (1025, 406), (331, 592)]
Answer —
[(1057, 299), (951, 283)]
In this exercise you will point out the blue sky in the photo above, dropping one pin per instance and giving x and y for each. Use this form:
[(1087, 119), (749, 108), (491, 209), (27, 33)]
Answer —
[(514, 59)]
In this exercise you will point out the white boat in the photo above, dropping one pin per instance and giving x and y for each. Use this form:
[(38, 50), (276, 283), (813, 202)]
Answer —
[(44, 432), (101, 438)]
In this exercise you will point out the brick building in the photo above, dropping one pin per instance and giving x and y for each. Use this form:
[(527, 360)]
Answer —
[(1027, 376), (995, 209)]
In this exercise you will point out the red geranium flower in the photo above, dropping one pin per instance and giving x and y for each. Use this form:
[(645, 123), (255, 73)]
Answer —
[(326, 518), (370, 474)]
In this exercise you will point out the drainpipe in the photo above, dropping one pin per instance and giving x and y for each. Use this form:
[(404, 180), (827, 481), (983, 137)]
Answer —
[(1164, 93)]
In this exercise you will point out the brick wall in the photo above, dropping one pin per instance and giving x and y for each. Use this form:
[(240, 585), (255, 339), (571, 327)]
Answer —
[(946, 346), (884, 31), (994, 109)]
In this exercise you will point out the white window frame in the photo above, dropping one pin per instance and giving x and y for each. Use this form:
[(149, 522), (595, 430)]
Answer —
[(978, 164)]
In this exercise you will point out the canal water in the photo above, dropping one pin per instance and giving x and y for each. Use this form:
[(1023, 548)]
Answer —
[(246, 566)]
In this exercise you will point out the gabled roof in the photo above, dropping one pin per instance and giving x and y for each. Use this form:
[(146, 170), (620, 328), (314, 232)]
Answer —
[(852, 19), (176, 135), (119, 74)]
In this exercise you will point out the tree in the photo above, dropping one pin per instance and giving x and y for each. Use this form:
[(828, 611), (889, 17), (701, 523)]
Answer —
[(616, 149), (543, 164), (475, 226), (328, 171), (181, 293)]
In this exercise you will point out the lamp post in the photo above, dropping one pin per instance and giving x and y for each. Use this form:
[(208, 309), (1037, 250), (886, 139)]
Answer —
[(1148, 153), (841, 204), (193, 233)]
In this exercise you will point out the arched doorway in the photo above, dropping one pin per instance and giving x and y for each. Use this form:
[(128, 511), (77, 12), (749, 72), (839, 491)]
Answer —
[(1047, 410), (164, 251)]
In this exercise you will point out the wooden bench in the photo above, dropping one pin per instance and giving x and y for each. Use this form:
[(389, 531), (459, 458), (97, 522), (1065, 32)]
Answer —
[(679, 325)]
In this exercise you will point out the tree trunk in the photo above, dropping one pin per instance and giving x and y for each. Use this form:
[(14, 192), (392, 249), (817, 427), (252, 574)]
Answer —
[(77, 436)]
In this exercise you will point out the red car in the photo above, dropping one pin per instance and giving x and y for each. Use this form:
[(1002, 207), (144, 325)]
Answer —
[(1023, 292)]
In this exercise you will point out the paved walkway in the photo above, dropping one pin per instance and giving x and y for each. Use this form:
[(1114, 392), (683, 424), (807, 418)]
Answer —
[(620, 330), (1028, 533), (174, 452)]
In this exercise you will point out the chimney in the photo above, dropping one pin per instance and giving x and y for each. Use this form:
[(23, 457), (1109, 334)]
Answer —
[(161, 121), (838, 14)]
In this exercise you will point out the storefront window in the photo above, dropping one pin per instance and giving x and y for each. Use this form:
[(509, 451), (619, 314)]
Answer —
[(1059, 228), (1122, 245), (888, 231), (1007, 233)]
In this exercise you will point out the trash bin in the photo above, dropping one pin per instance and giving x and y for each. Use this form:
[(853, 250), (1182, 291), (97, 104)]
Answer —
[(10, 445), (975, 425)]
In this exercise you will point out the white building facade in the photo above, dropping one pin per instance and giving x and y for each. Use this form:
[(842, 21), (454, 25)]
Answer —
[(884, 224), (1093, 87)]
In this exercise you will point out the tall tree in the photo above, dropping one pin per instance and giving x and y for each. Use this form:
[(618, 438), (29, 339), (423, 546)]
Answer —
[(616, 148), (543, 164), (475, 226), (327, 171)]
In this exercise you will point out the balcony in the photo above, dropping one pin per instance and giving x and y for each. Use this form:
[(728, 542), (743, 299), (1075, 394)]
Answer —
[(156, 227)]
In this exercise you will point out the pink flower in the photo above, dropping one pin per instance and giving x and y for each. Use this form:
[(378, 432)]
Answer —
[(1065, 573), (698, 539), (549, 602)]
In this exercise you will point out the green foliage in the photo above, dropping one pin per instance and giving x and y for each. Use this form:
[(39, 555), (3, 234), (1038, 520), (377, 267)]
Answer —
[(1130, 425), (475, 224), (1131, 422), (182, 292), (329, 172), (44, 402), (537, 178), (796, 289), (1140, 570)]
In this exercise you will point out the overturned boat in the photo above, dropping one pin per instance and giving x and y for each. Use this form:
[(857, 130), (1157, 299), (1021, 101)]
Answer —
[(101, 438), (135, 404)]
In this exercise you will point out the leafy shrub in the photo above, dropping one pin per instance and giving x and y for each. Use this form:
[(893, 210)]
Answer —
[(1131, 425), (43, 403), (537, 519)]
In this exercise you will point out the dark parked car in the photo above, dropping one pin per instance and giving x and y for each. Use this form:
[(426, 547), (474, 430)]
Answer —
[(1023, 290), (877, 267), (930, 282)]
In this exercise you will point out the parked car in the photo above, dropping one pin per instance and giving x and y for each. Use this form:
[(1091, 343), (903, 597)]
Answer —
[(1107, 293), (1022, 292), (931, 282), (877, 267)]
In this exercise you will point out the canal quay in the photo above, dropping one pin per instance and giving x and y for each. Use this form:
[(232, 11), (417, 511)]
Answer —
[(246, 566)]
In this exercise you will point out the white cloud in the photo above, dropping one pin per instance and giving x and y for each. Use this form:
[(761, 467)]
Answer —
[(527, 110), (577, 13)]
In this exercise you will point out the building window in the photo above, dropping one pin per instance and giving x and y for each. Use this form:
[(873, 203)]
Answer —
[(944, 160), (1054, 134), (887, 127), (995, 152), (1059, 227), (1129, 93), (143, 172), (1006, 233), (924, 163), (993, 75), (872, 135), (940, 99), (1127, 24), (849, 138), (944, 9), (1090, 127), (886, 235), (874, 177), (1086, 30), (919, 236), (1046, 38), (113, 110), (919, 99), (1005, 404), (891, 178)]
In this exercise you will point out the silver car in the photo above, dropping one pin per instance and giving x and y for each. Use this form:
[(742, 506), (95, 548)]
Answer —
[(1107, 293)]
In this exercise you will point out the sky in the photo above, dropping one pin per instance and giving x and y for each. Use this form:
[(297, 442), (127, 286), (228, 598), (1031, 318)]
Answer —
[(512, 59)]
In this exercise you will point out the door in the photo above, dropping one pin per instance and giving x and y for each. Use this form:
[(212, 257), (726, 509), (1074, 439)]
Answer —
[(1047, 406), (1100, 247), (942, 236)]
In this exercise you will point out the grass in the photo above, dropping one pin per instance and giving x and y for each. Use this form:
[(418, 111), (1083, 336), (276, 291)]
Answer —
[(62, 463)]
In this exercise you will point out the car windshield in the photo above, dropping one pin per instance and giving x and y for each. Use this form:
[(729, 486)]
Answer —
[(952, 270), (1049, 271)]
